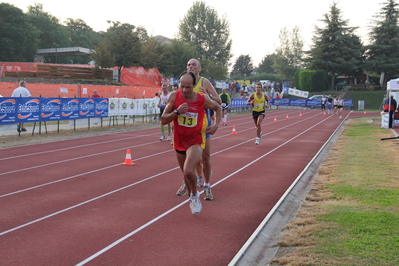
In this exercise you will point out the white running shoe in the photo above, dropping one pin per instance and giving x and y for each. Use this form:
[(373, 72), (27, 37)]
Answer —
[(340, 116), (195, 203), (169, 138), (257, 141), (162, 138)]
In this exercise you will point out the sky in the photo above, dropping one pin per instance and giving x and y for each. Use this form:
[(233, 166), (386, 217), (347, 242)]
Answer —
[(254, 24)]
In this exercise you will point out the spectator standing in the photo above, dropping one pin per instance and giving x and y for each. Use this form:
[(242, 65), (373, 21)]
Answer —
[(21, 91), (95, 94), (390, 106)]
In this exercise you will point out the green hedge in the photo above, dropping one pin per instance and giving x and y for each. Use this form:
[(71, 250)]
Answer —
[(312, 80)]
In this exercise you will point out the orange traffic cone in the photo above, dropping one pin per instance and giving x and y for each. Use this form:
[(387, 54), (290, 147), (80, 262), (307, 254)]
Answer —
[(286, 117), (300, 114), (275, 120), (364, 112), (234, 132), (128, 160), (324, 113)]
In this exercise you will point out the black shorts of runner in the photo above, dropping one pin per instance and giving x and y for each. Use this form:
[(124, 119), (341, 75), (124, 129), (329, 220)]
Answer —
[(225, 106), (256, 114), (161, 110), (181, 152)]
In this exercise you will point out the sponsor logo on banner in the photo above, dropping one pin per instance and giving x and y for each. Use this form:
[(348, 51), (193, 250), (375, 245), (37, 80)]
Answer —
[(8, 108), (50, 109), (28, 110)]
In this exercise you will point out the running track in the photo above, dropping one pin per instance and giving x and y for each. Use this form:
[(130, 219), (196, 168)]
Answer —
[(73, 203)]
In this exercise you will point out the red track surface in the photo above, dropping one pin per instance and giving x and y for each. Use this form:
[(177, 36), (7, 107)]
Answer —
[(72, 202)]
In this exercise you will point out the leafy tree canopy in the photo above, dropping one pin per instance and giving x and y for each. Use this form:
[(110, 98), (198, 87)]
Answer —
[(210, 34), (18, 37)]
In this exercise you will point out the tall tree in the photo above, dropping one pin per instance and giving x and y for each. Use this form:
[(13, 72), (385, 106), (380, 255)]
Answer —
[(52, 33), (152, 53), (178, 53), (18, 37), (382, 55), (289, 55), (336, 49), (210, 34), (243, 66), (82, 35), (266, 65), (124, 44), (103, 57)]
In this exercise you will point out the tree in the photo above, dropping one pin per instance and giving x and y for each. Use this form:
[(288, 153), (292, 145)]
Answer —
[(177, 54), (103, 57), (336, 49), (213, 71), (124, 44), (81, 35), (243, 66), (382, 55), (152, 53), (289, 55), (52, 33), (210, 34), (266, 65), (19, 38)]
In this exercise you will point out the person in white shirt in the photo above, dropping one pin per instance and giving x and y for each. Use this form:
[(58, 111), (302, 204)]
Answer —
[(21, 91)]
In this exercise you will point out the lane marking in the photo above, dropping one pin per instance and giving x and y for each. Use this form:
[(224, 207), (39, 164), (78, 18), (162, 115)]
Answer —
[(100, 252)]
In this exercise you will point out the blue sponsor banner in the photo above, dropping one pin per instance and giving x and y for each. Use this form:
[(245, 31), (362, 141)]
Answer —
[(70, 108), (8, 110), (348, 102), (297, 102), (50, 109), (281, 102), (101, 107), (28, 110), (86, 107), (315, 103), (15, 110), (238, 103)]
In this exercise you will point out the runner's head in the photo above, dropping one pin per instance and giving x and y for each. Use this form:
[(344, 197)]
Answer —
[(187, 82), (194, 66)]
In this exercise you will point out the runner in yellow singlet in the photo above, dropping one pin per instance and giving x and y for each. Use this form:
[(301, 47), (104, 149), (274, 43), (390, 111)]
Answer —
[(259, 103)]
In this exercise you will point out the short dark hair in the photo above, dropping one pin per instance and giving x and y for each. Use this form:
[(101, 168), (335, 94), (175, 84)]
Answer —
[(191, 74)]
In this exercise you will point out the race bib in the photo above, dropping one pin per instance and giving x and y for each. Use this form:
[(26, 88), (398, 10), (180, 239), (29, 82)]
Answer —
[(188, 119), (258, 107)]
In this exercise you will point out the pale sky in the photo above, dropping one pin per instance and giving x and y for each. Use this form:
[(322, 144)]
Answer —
[(254, 24)]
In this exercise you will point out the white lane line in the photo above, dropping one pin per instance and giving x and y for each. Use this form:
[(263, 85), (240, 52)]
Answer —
[(85, 202), (155, 154), (179, 205), (73, 147), (141, 181), (75, 158), (82, 174)]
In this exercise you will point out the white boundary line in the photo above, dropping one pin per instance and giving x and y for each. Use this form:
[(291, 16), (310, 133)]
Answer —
[(104, 168), (177, 206), (265, 221)]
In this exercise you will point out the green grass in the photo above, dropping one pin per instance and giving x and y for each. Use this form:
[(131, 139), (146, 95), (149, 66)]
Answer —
[(361, 227), (372, 99)]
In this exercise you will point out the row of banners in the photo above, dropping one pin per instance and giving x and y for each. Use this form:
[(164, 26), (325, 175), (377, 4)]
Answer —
[(23, 110)]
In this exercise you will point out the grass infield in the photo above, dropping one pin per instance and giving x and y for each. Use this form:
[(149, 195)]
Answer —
[(351, 215)]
